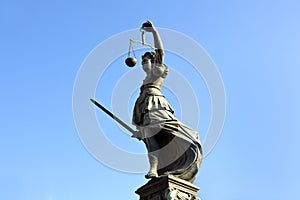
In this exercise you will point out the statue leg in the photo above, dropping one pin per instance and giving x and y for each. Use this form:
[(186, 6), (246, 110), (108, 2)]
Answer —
[(153, 160), (152, 148)]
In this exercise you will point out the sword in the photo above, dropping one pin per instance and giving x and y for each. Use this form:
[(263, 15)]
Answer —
[(114, 117)]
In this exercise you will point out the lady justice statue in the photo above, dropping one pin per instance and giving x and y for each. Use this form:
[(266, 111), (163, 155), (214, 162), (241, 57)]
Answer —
[(173, 148)]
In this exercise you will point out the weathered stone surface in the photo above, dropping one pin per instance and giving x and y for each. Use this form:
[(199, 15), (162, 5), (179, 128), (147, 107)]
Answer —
[(168, 188)]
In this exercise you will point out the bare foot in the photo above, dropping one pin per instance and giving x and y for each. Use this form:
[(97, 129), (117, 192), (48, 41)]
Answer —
[(151, 174)]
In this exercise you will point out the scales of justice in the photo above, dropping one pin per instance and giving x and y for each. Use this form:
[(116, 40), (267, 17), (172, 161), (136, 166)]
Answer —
[(174, 149)]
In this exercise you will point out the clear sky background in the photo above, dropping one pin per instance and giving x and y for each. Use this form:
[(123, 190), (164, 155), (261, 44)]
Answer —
[(255, 44)]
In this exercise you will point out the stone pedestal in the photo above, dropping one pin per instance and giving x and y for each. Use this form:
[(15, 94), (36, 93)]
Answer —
[(168, 188)]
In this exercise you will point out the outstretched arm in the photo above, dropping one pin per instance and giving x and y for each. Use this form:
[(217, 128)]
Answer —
[(148, 26)]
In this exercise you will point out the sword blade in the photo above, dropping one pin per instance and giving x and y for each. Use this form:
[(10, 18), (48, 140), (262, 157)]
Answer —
[(113, 116)]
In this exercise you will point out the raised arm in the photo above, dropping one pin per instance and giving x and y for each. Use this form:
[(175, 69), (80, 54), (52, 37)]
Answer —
[(159, 49)]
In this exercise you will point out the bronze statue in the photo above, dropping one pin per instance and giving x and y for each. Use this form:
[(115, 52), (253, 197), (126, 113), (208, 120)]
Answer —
[(173, 148)]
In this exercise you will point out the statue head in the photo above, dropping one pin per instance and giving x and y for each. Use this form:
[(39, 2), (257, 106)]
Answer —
[(149, 55), (148, 59)]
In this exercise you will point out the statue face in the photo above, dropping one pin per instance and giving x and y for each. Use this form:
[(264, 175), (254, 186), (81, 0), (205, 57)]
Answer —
[(146, 65)]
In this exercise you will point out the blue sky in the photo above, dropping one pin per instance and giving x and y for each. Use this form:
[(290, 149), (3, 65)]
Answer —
[(255, 44)]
